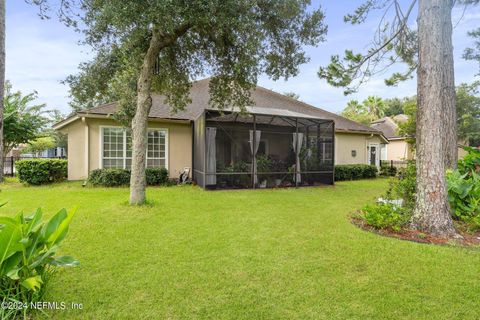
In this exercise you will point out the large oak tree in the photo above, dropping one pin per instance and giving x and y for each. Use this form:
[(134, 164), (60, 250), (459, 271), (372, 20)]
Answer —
[(146, 46)]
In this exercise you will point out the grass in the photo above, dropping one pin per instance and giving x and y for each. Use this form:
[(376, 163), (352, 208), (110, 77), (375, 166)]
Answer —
[(263, 254)]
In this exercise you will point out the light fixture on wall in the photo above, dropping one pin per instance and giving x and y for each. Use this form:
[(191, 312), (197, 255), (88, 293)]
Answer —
[(354, 153)]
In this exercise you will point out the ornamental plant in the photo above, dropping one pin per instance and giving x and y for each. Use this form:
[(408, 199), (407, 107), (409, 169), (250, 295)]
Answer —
[(464, 197), (41, 171), (28, 248)]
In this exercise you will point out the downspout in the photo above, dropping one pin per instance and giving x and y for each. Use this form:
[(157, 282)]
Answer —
[(193, 151), (87, 147)]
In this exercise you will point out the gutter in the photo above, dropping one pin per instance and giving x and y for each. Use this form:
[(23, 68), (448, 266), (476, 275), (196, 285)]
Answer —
[(83, 115)]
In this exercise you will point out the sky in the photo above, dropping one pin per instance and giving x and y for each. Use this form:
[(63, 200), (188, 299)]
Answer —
[(42, 53)]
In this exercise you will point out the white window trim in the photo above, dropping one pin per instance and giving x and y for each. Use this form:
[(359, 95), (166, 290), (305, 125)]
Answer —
[(167, 138)]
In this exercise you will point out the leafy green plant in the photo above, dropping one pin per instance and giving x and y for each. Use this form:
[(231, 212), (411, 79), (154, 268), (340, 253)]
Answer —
[(386, 216), (41, 171), (27, 255), (403, 186), (121, 177), (157, 176), (470, 162), (388, 171), (355, 172), (240, 166), (464, 196), (264, 163)]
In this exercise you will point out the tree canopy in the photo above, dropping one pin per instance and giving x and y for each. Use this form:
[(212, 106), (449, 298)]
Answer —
[(468, 115), (371, 109), (39, 144), (146, 46), (23, 118), (233, 41)]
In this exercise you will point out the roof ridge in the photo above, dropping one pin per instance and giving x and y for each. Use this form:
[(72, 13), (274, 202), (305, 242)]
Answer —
[(315, 108)]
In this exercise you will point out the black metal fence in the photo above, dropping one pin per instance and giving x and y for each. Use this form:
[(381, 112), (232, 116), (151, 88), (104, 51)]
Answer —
[(9, 163), (393, 163)]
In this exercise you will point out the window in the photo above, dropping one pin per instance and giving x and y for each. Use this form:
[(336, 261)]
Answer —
[(156, 149), (117, 148), (325, 146)]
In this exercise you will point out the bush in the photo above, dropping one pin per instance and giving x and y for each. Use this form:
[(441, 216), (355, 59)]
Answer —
[(41, 171), (470, 162), (464, 197), (386, 216), (121, 177), (355, 172), (27, 258), (109, 177), (157, 176), (388, 171), (403, 185)]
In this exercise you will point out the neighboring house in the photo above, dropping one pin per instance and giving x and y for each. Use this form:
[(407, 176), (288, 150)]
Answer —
[(398, 149), (56, 152), (294, 139)]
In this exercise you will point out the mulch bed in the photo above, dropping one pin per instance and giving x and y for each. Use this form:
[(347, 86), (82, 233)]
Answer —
[(468, 239)]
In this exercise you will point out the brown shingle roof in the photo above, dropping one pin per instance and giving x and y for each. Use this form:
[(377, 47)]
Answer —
[(387, 126), (262, 97)]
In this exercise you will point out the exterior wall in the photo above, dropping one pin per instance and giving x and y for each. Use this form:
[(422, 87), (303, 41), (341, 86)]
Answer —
[(398, 150), (345, 143), (83, 133), (179, 146), (76, 150)]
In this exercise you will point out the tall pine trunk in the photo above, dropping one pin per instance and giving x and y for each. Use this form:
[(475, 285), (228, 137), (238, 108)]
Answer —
[(140, 121), (435, 126), (2, 81)]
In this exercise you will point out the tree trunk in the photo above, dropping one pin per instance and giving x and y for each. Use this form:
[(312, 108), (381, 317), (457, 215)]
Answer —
[(2, 80), (436, 98), (140, 121), (448, 93)]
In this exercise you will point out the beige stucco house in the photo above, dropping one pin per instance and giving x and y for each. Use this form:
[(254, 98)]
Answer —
[(398, 149), (96, 140)]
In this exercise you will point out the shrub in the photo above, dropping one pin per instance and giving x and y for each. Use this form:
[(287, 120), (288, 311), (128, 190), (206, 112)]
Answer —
[(386, 216), (470, 162), (464, 197), (41, 171), (121, 177), (264, 163), (388, 171), (403, 185), (27, 257), (109, 177), (355, 172), (157, 176)]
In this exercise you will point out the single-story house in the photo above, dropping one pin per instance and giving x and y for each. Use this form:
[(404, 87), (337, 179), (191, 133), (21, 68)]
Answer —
[(398, 149), (278, 141)]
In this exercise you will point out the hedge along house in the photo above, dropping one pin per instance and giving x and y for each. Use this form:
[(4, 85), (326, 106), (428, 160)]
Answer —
[(292, 140)]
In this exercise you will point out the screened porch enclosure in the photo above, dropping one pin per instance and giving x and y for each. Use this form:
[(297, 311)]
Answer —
[(269, 148)]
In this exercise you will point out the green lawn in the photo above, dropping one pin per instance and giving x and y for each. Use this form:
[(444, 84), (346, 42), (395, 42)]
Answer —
[(263, 254)]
